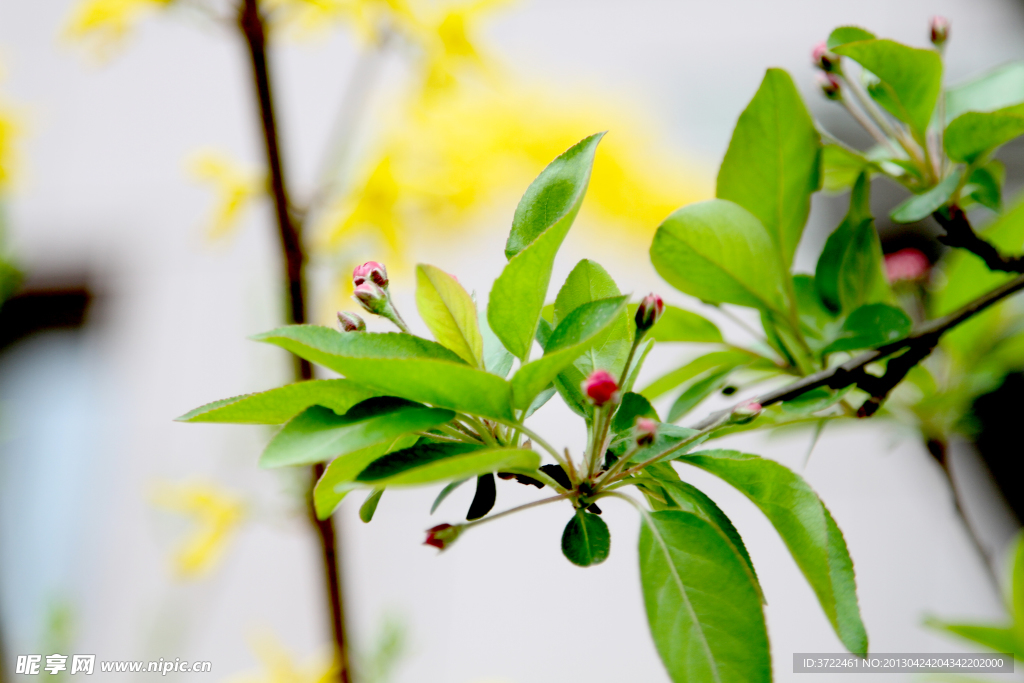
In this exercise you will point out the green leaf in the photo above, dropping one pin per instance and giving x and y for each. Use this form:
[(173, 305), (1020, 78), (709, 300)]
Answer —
[(923, 205), (369, 506), (538, 403), (586, 540), (709, 361), (668, 436), (910, 77), (850, 270), (714, 250), (815, 401), (1017, 592), (10, 280), (436, 462), (996, 638), (870, 326), (985, 185), (279, 405), (400, 365), (336, 481), (976, 134), (698, 391), (588, 282), (805, 526), (840, 167), (542, 220), (567, 342), (847, 34), (680, 325), (445, 492), (449, 313), (771, 166), (497, 359), (995, 89), (632, 407), (705, 613), (319, 434)]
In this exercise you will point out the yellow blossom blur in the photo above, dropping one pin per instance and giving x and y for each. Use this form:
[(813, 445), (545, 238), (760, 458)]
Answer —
[(279, 667), (105, 23), (234, 187), (9, 133), (215, 512)]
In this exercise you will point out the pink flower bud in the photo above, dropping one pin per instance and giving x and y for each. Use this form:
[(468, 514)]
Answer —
[(823, 59), (646, 429), (649, 311), (350, 322), (442, 535), (939, 31), (745, 412), (372, 271), (601, 388), (829, 85), (371, 297), (906, 264)]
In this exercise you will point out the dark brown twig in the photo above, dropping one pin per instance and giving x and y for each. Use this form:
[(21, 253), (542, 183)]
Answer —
[(959, 233), (253, 27)]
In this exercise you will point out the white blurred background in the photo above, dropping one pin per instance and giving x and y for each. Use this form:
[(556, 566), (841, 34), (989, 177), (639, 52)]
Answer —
[(86, 430)]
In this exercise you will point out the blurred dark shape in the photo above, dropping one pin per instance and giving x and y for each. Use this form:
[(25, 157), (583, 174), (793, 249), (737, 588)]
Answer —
[(44, 305), (998, 438)]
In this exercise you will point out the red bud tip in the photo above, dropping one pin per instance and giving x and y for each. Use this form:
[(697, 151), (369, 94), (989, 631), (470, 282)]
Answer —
[(829, 85), (601, 388), (823, 59), (372, 271), (371, 297), (939, 31), (745, 412), (350, 322), (646, 430), (442, 535), (906, 264), (649, 311)]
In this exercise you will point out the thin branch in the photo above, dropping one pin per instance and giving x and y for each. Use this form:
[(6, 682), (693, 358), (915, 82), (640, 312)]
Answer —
[(520, 508), (959, 233)]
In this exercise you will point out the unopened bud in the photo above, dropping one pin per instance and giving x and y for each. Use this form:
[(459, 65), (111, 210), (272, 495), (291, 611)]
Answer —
[(829, 85), (823, 59), (350, 322), (373, 272), (746, 412), (442, 535), (371, 297), (939, 31), (906, 264), (648, 312), (646, 430), (601, 388)]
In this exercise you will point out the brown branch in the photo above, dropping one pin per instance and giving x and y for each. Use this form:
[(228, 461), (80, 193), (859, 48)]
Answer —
[(253, 27), (959, 233), (854, 371)]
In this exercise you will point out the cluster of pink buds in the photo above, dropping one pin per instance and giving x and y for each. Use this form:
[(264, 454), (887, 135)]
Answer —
[(601, 388), (371, 291), (823, 59), (830, 86), (373, 272), (442, 535), (648, 312), (939, 31), (645, 430), (906, 264)]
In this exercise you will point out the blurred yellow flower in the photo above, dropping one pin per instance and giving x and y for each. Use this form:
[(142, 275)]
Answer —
[(216, 514), (279, 667), (233, 185), (107, 22), (9, 130), (368, 18)]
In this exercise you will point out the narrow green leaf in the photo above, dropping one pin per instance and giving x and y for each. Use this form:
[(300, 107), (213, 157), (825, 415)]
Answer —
[(695, 394), (586, 540), (542, 220), (996, 638), (870, 326), (369, 506), (714, 250), (995, 89), (705, 613), (497, 359), (400, 365), (911, 77), (429, 463), (715, 359), (319, 434), (279, 405), (815, 401), (680, 325), (975, 134), (336, 481), (581, 328), (542, 398), (850, 270), (847, 34), (771, 166), (1017, 592), (445, 492), (921, 206), (805, 526), (449, 313)]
